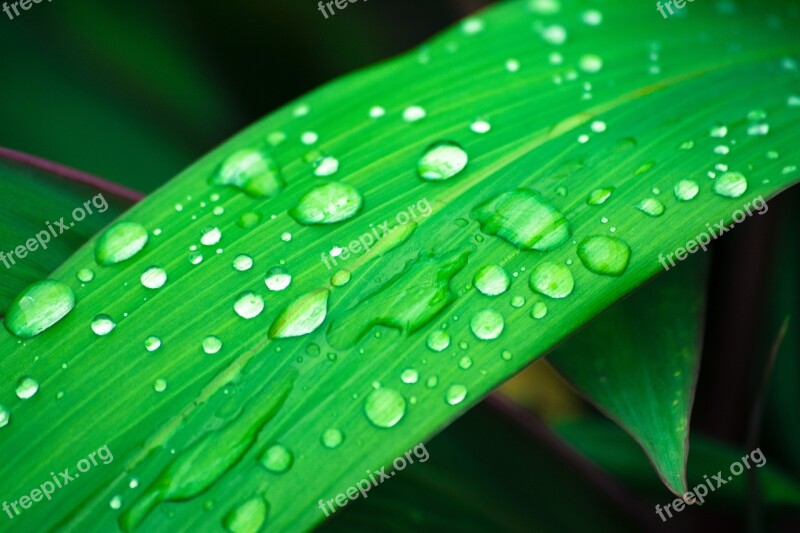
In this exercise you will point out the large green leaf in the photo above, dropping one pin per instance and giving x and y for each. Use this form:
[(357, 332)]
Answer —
[(638, 363), (194, 448)]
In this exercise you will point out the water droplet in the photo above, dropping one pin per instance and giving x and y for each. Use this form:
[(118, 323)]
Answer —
[(719, 131), (385, 407), (286, 236), (332, 438), (686, 190), (121, 241), (607, 256), (487, 324), (38, 307), (555, 34), (525, 219), (592, 17), (195, 258), (651, 207), (242, 263), (539, 310), (492, 280), (249, 305), (277, 459), (409, 376), (480, 126), (252, 171), (212, 344), (598, 126), (552, 279), (152, 343), (465, 363), (309, 137), (730, 185), (160, 385), (115, 503), (27, 387), (442, 161), (328, 204), (376, 112), (248, 220), (456, 394), (341, 278), (590, 63), (517, 301), (512, 65), (5, 416), (414, 114), (154, 277), (249, 517), (599, 196), (432, 382), (103, 325), (302, 316), (278, 279), (326, 166), (471, 26), (438, 340), (210, 236), (85, 275)]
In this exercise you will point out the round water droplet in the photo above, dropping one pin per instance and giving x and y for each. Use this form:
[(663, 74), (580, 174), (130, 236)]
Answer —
[(160, 385), (85, 275), (210, 236), (517, 302), (456, 394), (506, 355), (248, 220), (442, 161), (492, 280), (599, 196), (278, 279), (607, 256), (154, 277), (103, 325), (686, 190), (539, 310), (341, 278), (277, 459), (5, 416), (121, 241), (38, 307), (465, 363), (212, 344), (432, 382), (385, 407), (651, 207), (152, 343), (438, 340), (248, 305), (332, 438), (552, 279), (249, 517), (409, 376), (251, 170), (730, 185), (27, 387), (242, 263), (328, 204), (326, 166), (487, 324)]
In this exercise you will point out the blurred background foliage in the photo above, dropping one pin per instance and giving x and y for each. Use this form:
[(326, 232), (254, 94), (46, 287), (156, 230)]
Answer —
[(134, 92)]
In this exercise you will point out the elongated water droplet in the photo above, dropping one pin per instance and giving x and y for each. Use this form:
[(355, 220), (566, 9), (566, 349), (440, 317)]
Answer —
[(341, 278), (332, 438), (121, 241), (248, 305), (442, 161), (277, 459), (385, 407), (328, 204), (252, 171), (5, 416), (438, 340), (552, 279), (301, 317), (103, 325), (492, 280), (38, 307), (212, 344), (27, 387), (278, 279), (539, 310), (730, 185), (487, 324), (686, 190), (154, 277), (525, 219), (607, 256), (456, 394), (249, 517), (599, 196), (651, 207)]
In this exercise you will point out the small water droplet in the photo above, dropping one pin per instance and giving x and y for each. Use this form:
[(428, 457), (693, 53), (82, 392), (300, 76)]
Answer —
[(103, 325), (115, 503), (465, 363), (277, 459), (152, 343), (27, 387), (160, 385), (248, 220), (686, 190), (590, 63), (492, 280), (651, 207), (195, 258), (5, 416), (414, 114), (302, 316), (376, 112), (442, 161), (719, 131), (341, 278), (242, 263), (326, 166), (278, 278), (121, 241), (456, 394), (249, 305), (555, 34), (552, 279), (210, 236), (599, 196), (539, 310), (438, 340), (85, 275), (249, 517), (517, 302), (385, 407), (487, 324), (212, 344), (154, 277), (730, 185), (607, 256), (409, 376), (480, 126), (332, 438)]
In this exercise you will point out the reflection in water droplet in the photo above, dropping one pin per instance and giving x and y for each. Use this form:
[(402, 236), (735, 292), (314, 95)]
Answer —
[(326, 166), (492, 280), (730, 185), (552, 279), (251, 170), (27, 387), (248, 305), (278, 279), (242, 263), (385, 407), (5, 416), (210, 236), (38, 307), (442, 161), (103, 325), (328, 204), (607, 256), (121, 241), (487, 324)]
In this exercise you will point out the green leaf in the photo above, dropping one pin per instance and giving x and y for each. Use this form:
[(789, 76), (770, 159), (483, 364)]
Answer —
[(145, 405), (638, 363)]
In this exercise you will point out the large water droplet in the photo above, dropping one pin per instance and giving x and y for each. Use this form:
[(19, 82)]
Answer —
[(385, 407), (487, 324), (277, 459), (525, 219), (38, 307), (251, 170), (328, 204), (607, 256), (121, 241), (154, 277), (301, 317), (103, 325), (492, 280), (442, 161), (730, 185), (27, 387), (552, 279), (456, 394), (278, 279), (249, 517), (248, 305)]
